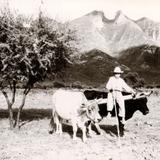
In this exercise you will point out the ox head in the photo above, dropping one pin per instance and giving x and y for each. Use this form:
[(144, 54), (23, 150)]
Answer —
[(92, 111), (141, 101)]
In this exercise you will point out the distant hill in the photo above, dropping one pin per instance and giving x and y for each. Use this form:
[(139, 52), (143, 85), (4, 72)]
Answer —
[(141, 58), (145, 60), (92, 68)]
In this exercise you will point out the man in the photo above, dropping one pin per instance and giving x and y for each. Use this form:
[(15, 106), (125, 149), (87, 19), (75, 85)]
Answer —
[(115, 86)]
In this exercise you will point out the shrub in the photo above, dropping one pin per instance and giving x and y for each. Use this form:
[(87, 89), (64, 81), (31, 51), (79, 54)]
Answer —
[(58, 84), (77, 84), (133, 79)]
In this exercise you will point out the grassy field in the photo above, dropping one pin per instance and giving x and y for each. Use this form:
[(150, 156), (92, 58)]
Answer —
[(32, 142)]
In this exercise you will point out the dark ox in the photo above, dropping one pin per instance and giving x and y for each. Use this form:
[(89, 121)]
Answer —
[(131, 106)]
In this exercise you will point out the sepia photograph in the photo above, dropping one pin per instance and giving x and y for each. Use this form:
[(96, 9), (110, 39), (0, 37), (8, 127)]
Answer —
[(79, 80)]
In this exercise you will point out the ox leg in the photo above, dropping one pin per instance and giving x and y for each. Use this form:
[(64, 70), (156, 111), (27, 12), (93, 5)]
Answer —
[(60, 127), (74, 126), (83, 127), (54, 122), (51, 126), (84, 134), (98, 128), (57, 124), (121, 127), (89, 130), (57, 127)]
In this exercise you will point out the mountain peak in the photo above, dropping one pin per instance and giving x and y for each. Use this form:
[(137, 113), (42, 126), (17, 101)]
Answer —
[(95, 13), (119, 13), (120, 17), (145, 19), (98, 13)]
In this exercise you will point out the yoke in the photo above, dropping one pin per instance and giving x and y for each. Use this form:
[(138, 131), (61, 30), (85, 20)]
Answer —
[(126, 97)]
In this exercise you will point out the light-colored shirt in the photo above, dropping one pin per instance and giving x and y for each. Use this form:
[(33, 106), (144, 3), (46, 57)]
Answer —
[(118, 84)]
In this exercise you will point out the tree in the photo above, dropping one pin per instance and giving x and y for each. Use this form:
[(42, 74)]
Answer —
[(28, 55)]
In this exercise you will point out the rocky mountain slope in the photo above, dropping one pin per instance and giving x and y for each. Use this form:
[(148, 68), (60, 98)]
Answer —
[(92, 68), (150, 28), (94, 30)]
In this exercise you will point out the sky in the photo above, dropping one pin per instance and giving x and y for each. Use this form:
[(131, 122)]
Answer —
[(65, 10)]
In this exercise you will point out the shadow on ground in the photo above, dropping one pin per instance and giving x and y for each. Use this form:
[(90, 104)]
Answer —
[(28, 115), (108, 129)]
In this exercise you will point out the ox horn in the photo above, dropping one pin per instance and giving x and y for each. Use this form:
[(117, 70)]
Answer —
[(98, 100), (143, 94), (148, 93), (83, 107), (91, 102)]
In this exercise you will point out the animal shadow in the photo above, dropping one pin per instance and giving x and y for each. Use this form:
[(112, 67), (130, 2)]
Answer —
[(28, 114), (108, 129)]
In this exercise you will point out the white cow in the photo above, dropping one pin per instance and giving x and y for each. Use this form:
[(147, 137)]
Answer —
[(73, 106)]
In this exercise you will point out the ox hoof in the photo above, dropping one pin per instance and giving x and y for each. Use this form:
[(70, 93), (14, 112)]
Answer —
[(121, 134), (90, 134), (50, 132), (84, 140), (60, 133), (100, 133), (74, 138)]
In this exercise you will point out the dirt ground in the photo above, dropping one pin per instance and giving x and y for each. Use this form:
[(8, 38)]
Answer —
[(33, 142)]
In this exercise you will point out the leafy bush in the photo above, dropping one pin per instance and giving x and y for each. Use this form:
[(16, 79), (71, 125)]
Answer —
[(134, 79)]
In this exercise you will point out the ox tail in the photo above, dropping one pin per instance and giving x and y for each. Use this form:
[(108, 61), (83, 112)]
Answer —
[(52, 124)]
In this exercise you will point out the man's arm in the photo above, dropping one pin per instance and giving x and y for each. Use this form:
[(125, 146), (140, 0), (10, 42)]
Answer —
[(127, 88)]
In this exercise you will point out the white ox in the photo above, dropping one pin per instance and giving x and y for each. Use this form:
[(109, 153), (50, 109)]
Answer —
[(73, 106)]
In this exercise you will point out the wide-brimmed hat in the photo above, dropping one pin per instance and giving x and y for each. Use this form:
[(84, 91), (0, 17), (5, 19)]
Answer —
[(117, 70)]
